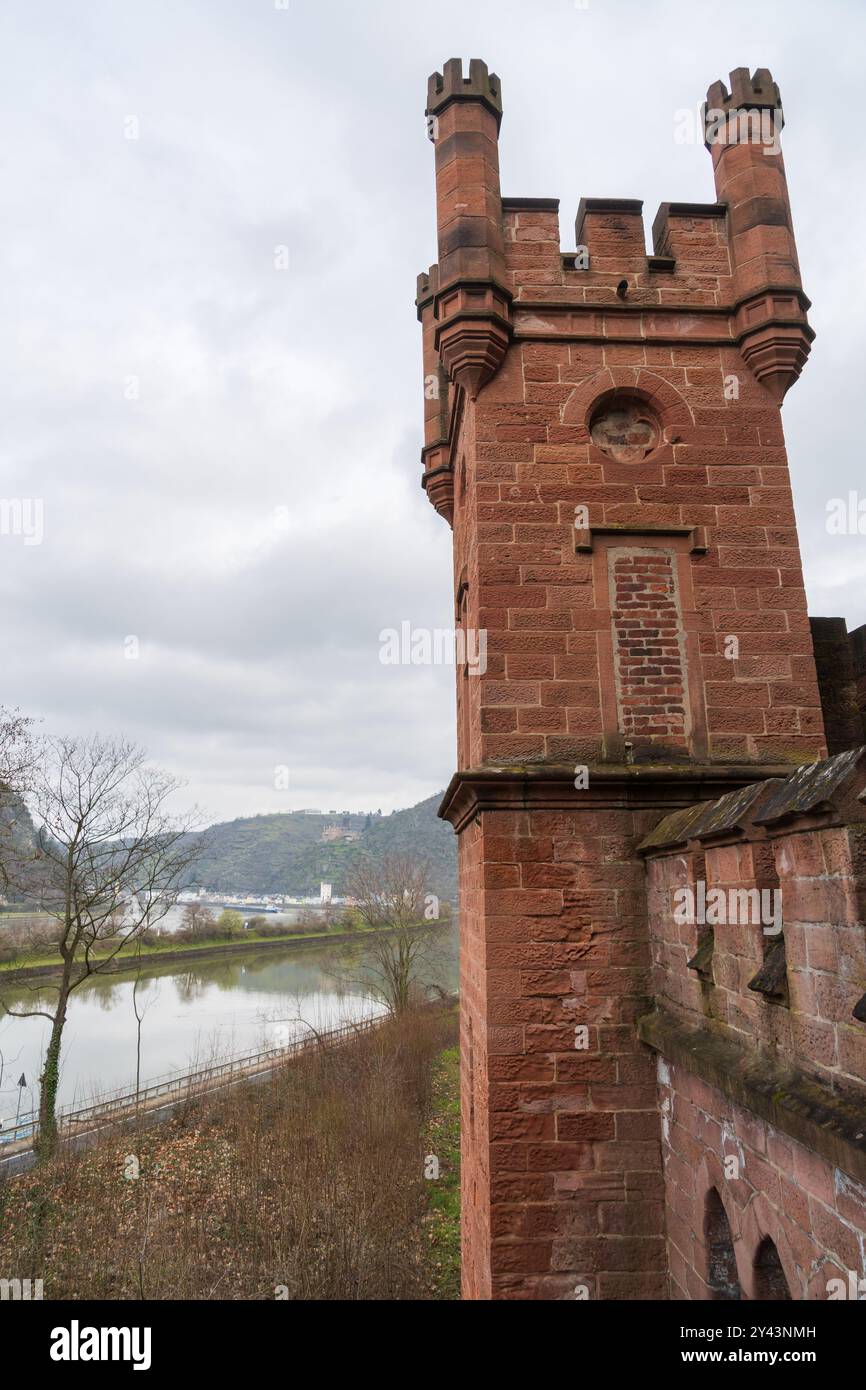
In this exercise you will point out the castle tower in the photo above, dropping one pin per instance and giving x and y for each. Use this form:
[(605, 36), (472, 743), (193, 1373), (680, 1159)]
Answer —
[(603, 432)]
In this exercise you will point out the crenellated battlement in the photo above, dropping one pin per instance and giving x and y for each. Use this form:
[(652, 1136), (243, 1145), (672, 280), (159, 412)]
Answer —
[(731, 263), (755, 91), (450, 85), (427, 287)]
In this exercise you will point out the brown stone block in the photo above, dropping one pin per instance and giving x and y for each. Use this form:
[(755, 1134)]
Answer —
[(622, 1155), (559, 1157), (521, 1188), (521, 1069), (589, 1126), (520, 1256), (505, 1126), (627, 1287)]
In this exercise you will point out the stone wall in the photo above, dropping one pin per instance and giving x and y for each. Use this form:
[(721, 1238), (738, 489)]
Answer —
[(760, 1029), (843, 693)]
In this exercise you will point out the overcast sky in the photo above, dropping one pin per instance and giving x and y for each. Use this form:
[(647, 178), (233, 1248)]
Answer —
[(227, 451)]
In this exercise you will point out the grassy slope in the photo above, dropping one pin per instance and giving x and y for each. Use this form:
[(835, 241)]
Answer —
[(443, 1198), (167, 947)]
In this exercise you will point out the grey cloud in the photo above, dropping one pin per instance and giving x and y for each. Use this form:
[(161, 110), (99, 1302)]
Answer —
[(301, 389)]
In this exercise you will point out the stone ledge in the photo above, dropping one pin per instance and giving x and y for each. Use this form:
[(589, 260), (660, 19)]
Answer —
[(815, 795), (635, 786), (530, 205), (824, 1121), (584, 537)]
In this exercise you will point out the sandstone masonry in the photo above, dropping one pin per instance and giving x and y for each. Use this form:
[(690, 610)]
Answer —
[(603, 433)]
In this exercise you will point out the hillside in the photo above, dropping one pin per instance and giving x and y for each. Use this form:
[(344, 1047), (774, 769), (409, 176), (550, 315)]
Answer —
[(284, 853)]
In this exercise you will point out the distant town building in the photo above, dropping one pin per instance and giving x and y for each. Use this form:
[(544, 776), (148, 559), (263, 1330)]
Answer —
[(339, 832), (324, 892)]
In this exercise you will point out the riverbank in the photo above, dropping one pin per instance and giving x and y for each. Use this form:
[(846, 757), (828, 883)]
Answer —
[(127, 960), (310, 1185)]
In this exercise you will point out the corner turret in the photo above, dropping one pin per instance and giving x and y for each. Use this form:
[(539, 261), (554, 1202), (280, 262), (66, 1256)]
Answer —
[(472, 306), (741, 129)]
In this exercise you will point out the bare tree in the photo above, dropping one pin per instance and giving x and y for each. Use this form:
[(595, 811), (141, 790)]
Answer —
[(391, 891), (105, 842), (401, 967), (139, 1011), (17, 749), (17, 758), (197, 921), (402, 960)]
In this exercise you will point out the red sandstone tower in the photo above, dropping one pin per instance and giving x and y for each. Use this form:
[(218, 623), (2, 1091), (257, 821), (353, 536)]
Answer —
[(603, 432)]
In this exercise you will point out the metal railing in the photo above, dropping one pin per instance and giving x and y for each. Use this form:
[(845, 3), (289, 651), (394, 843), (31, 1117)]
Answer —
[(175, 1087)]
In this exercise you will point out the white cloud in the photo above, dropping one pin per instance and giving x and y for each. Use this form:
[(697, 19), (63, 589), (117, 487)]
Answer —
[(153, 260)]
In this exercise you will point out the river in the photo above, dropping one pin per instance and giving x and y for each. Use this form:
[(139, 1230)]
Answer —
[(192, 1012)]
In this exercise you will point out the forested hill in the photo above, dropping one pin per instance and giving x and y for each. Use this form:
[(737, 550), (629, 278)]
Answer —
[(285, 853)]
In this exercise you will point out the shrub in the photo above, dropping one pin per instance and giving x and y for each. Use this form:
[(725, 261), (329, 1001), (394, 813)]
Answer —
[(311, 1180)]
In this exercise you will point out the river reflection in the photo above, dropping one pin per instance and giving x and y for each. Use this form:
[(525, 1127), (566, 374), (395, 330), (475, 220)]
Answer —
[(192, 1012)]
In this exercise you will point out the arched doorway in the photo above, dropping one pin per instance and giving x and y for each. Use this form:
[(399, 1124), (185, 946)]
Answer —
[(770, 1281), (721, 1262)]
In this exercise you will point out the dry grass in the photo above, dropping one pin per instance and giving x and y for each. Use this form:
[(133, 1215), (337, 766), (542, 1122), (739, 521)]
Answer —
[(307, 1186)]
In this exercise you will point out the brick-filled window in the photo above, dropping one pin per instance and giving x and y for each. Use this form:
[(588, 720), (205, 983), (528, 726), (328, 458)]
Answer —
[(648, 654)]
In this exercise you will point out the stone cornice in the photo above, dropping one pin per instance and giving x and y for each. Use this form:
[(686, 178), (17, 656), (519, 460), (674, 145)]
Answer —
[(550, 787), (726, 311)]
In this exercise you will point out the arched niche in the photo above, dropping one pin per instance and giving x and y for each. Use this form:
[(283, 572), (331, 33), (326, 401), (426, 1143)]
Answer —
[(770, 1281), (722, 1274)]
